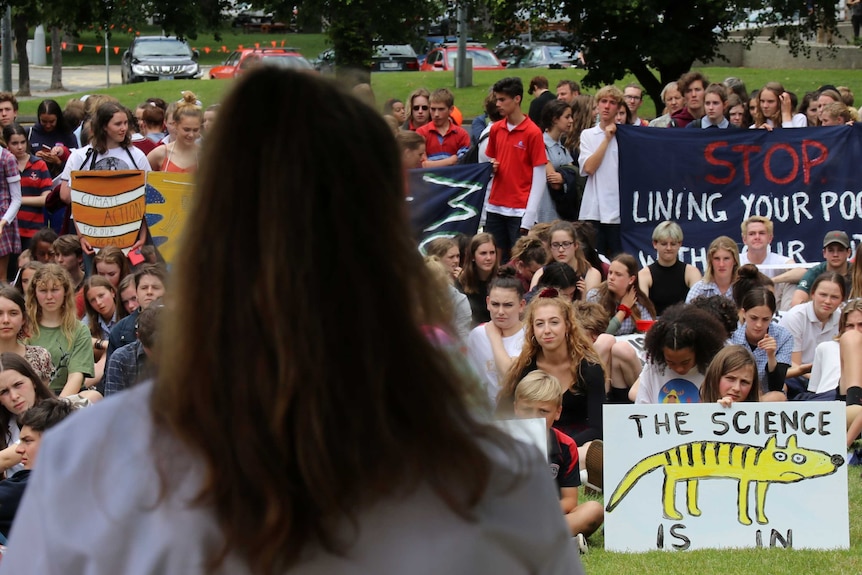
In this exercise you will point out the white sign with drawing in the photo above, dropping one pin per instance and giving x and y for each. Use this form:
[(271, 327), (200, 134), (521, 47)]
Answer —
[(703, 476)]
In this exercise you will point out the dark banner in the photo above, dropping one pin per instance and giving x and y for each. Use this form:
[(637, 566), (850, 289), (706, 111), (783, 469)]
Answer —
[(445, 201), (806, 180)]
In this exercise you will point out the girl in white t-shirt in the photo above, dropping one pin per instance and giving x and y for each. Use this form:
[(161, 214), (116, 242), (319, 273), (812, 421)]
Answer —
[(492, 346), (110, 149), (679, 347)]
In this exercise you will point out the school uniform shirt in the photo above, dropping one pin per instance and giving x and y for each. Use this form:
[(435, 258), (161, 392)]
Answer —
[(601, 200), (808, 331), (455, 142), (563, 459), (518, 149), (826, 368), (784, 346)]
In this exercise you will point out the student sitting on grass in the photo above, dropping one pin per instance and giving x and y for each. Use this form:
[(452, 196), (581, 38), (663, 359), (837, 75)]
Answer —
[(730, 377), (541, 395)]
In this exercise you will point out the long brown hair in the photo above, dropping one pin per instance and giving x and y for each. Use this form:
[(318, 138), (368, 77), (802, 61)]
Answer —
[(609, 300), (578, 345), (303, 426), (94, 316), (721, 243), (48, 275), (469, 278), (759, 117), (729, 359), (17, 363), (856, 274)]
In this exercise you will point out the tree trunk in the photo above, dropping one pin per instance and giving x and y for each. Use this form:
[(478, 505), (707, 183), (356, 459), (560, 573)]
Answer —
[(56, 60), (20, 26)]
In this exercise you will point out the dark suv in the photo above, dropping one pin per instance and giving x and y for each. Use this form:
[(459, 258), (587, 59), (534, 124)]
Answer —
[(159, 58)]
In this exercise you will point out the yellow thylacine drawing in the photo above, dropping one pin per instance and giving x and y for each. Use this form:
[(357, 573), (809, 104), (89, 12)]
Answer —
[(747, 464)]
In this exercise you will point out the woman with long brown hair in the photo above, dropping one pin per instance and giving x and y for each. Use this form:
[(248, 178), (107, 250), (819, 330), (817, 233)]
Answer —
[(480, 267), (621, 296), (555, 343), (275, 438)]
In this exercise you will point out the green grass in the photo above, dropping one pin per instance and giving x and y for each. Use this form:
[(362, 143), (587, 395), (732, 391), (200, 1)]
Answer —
[(748, 561), (400, 84)]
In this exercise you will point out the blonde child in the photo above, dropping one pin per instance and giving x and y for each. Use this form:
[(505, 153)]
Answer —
[(541, 395)]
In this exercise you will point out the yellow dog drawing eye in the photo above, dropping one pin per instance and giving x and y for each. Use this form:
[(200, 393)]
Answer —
[(746, 464)]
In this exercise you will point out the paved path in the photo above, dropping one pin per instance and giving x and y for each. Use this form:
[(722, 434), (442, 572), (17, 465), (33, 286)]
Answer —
[(75, 79)]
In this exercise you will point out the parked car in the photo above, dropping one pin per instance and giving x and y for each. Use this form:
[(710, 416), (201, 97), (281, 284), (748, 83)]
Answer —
[(159, 58), (249, 17), (387, 58), (443, 58), (542, 55), (240, 60), (394, 58)]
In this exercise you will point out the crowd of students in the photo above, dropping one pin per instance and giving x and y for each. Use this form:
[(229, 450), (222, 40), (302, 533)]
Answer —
[(540, 306), (77, 324), (722, 320)]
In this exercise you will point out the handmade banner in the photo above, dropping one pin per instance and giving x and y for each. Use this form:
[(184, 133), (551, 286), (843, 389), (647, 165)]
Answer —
[(169, 198), (704, 476), (806, 180), (108, 206), (445, 201)]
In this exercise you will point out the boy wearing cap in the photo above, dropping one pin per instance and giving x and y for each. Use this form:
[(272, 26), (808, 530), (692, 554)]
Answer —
[(836, 250)]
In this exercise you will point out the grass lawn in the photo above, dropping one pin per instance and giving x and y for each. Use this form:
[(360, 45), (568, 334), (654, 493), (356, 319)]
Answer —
[(747, 561), (399, 84), (469, 100)]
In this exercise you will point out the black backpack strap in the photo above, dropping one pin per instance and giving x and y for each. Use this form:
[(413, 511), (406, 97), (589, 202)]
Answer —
[(131, 158), (87, 158)]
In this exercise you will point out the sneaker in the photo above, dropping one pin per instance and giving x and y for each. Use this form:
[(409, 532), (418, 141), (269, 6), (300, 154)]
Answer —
[(855, 457), (595, 467), (581, 542)]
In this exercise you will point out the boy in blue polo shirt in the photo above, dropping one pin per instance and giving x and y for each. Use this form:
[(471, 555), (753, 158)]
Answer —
[(541, 395)]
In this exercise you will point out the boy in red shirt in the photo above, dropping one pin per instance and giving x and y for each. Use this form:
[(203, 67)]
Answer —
[(517, 151), (445, 141)]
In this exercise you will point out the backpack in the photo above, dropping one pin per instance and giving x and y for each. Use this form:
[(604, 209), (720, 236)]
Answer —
[(567, 200), (472, 155)]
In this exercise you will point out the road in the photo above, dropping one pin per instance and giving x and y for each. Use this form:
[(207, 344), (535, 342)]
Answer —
[(75, 79)]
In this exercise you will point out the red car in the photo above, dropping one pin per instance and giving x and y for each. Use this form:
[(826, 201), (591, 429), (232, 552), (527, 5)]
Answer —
[(443, 57), (241, 60)]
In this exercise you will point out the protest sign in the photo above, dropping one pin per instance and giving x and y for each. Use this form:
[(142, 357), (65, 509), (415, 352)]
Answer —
[(446, 201), (108, 206), (169, 196), (703, 476), (806, 180)]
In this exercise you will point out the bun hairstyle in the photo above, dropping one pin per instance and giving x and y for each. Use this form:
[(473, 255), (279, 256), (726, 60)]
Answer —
[(528, 250), (507, 278), (188, 106), (749, 277)]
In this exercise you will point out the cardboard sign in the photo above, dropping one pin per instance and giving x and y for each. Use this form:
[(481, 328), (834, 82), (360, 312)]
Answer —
[(530, 431), (704, 476), (169, 198), (108, 206)]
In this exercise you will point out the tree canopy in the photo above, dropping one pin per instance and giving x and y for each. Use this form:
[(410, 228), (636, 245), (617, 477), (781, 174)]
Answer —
[(658, 40)]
